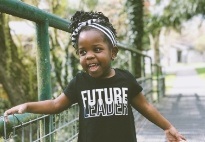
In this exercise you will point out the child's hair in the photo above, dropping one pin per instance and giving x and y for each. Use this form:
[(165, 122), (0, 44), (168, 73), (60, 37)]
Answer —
[(82, 16)]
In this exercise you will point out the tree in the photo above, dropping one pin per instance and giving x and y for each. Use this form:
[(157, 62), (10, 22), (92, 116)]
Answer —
[(17, 72), (171, 17), (135, 14)]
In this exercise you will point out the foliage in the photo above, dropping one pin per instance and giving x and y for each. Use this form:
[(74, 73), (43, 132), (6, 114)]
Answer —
[(169, 81), (136, 23), (4, 104), (201, 72), (123, 60), (197, 7), (17, 72), (200, 44), (171, 16)]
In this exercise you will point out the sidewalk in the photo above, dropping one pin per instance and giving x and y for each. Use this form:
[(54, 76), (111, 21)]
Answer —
[(188, 83), (184, 107)]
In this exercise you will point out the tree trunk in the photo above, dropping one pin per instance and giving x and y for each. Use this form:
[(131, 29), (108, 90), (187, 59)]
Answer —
[(136, 22), (156, 50), (154, 41), (16, 78)]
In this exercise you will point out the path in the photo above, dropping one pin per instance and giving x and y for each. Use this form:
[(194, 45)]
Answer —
[(184, 107)]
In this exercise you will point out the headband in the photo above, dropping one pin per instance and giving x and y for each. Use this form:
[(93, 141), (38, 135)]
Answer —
[(92, 23)]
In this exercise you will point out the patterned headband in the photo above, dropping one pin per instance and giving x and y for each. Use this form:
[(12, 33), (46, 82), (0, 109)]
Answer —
[(92, 23)]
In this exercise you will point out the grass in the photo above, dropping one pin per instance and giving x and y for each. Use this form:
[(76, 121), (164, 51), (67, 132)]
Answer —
[(201, 72), (169, 81)]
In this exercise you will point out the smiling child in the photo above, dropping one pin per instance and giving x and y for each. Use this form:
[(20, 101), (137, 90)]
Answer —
[(105, 95)]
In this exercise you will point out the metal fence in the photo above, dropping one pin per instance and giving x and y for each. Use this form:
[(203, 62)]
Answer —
[(64, 126)]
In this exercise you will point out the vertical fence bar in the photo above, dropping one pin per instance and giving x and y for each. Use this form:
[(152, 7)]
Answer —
[(43, 61), (30, 132), (43, 67)]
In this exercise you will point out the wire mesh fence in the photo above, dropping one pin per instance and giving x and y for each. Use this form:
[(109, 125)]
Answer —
[(63, 127)]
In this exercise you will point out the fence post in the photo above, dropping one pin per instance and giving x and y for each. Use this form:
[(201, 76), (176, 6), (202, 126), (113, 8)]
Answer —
[(44, 71), (43, 62)]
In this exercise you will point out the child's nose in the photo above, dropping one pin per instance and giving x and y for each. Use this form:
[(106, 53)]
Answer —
[(90, 56)]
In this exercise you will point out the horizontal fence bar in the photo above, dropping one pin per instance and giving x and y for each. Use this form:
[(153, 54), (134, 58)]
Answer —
[(125, 47), (32, 13), (15, 120)]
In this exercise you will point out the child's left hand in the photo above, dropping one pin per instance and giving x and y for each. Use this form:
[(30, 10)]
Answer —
[(172, 135)]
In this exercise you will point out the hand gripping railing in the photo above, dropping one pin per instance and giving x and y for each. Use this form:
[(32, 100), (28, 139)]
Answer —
[(25, 127)]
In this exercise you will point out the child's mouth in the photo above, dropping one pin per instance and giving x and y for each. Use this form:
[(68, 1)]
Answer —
[(93, 67)]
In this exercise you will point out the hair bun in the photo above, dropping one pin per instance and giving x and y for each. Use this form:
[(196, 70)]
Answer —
[(82, 16)]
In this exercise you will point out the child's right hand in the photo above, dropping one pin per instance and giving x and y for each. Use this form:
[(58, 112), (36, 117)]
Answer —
[(17, 109)]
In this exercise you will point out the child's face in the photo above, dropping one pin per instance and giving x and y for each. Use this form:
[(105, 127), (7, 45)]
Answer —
[(95, 54)]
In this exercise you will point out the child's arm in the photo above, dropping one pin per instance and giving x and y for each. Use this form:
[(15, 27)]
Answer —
[(140, 103), (42, 107)]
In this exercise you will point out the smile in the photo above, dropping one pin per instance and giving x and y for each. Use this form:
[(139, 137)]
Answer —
[(93, 67)]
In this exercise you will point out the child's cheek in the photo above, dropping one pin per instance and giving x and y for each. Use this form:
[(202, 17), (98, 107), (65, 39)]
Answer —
[(83, 64)]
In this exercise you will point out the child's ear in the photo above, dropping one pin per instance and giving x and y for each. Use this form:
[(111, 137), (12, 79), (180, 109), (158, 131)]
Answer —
[(114, 52)]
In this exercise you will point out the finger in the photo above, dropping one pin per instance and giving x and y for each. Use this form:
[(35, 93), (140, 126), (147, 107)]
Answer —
[(170, 138), (7, 113), (20, 111), (12, 111), (181, 137), (6, 117)]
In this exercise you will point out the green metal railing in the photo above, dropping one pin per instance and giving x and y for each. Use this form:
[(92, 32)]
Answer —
[(25, 127), (33, 127)]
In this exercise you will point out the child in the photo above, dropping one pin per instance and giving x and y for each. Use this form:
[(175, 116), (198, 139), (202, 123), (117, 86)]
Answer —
[(104, 94)]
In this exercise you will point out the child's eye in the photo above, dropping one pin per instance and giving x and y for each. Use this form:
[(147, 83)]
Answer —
[(97, 50), (82, 52)]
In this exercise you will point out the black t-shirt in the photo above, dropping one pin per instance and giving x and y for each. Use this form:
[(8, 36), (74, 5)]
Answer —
[(105, 110)]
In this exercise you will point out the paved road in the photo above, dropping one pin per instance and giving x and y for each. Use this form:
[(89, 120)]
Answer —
[(184, 107), (188, 83)]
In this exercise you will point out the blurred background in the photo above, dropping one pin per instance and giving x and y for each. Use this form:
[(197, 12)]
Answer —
[(172, 32)]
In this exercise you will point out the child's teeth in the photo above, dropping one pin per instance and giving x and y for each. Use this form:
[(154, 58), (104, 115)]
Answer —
[(92, 65)]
